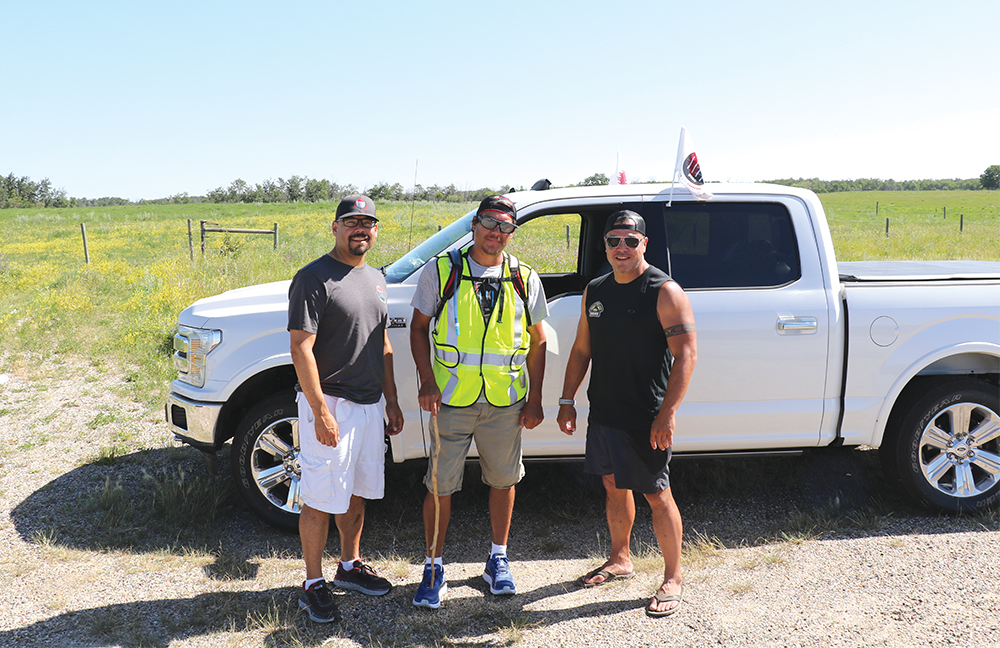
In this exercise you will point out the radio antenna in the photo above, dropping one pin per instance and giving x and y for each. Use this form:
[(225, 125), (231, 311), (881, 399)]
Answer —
[(413, 203)]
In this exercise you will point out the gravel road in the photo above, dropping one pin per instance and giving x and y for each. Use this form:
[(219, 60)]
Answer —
[(761, 567)]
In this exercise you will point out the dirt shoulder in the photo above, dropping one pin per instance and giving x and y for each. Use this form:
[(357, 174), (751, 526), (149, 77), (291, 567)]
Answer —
[(90, 557)]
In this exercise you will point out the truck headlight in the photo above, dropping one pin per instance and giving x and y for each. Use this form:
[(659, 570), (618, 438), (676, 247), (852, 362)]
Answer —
[(191, 348)]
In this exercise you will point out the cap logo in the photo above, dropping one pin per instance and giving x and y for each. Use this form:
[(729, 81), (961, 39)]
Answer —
[(595, 309), (359, 203)]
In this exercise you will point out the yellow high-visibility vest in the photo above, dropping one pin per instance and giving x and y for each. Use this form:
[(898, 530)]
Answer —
[(472, 356)]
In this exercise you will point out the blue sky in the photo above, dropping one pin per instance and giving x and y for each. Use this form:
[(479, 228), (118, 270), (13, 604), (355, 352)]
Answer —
[(149, 99)]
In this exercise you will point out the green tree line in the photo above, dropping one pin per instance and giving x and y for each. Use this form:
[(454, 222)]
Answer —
[(876, 184), (305, 189), (22, 191)]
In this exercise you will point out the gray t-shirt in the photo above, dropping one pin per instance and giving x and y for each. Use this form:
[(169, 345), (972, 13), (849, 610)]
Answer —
[(428, 292), (345, 307)]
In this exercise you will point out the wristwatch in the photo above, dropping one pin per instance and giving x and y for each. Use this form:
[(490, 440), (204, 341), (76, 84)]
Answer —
[(567, 401)]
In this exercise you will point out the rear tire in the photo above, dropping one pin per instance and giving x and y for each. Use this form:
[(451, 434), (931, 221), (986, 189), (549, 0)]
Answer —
[(944, 446), (265, 461)]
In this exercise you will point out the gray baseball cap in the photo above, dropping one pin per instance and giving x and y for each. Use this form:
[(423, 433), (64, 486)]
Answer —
[(356, 205)]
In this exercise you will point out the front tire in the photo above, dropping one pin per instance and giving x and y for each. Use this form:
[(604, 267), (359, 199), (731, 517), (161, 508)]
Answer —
[(265, 461), (945, 449)]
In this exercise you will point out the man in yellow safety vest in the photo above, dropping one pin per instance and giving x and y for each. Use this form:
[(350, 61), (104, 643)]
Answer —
[(480, 310)]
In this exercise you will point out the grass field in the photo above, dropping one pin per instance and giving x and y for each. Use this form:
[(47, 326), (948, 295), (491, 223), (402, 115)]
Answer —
[(122, 307), (922, 224)]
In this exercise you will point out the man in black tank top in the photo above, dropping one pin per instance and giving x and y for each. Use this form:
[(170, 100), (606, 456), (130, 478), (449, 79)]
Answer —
[(637, 329)]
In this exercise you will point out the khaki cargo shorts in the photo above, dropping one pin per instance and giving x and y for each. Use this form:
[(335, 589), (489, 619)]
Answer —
[(497, 433)]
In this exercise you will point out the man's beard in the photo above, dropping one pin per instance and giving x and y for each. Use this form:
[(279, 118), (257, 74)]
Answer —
[(358, 247)]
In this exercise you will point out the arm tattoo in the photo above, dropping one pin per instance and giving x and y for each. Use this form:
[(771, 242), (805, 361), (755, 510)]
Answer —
[(680, 329)]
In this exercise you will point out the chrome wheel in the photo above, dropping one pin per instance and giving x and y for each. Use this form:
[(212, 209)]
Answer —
[(960, 450), (265, 461)]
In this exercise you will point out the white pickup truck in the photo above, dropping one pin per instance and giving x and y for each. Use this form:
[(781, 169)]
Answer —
[(795, 351)]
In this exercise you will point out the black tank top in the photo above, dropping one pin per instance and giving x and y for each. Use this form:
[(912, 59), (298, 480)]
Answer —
[(629, 354)]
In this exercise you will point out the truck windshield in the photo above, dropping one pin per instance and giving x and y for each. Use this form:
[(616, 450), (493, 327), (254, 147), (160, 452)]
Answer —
[(414, 259)]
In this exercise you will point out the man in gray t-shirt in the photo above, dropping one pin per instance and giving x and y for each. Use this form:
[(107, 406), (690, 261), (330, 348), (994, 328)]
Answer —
[(343, 361)]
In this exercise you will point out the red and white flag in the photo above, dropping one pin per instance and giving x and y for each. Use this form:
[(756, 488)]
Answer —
[(688, 169), (619, 177)]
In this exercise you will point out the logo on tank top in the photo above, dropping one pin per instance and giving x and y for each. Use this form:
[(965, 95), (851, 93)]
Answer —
[(381, 294), (595, 309)]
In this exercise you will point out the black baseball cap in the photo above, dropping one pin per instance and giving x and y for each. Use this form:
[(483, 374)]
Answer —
[(500, 204), (356, 205), (620, 220)]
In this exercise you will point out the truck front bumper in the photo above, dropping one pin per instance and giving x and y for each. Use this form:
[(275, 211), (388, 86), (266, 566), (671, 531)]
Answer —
[(193, 422)]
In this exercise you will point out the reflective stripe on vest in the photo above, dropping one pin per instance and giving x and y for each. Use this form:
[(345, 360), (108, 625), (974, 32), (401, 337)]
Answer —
[(478, 357)]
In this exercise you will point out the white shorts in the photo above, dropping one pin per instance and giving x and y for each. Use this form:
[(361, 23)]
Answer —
[(356, 466)]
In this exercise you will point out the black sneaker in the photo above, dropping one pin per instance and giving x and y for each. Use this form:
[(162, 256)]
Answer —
[(362, 578), (317, 601)]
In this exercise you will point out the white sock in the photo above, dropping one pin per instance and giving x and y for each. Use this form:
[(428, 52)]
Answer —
[(499, 549), (439, 561), (310, 582), (348, 565)]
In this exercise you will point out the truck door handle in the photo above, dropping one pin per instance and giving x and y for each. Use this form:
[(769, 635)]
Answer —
[(791, 325)]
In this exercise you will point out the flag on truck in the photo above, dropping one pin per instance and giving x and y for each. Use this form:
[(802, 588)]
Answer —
[(688, 169)]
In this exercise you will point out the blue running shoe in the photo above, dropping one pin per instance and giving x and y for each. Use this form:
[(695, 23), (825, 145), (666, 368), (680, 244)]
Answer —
[(497, 574), (429, 592)]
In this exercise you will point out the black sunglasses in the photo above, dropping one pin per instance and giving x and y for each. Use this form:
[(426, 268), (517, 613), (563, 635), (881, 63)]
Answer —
[(491, 223), (351, 222), (615, 241)]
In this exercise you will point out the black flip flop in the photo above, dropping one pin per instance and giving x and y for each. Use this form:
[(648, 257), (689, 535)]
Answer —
[(608, 577)]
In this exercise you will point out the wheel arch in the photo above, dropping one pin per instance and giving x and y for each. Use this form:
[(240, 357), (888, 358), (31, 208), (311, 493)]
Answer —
[(978, 359), (252, 391)]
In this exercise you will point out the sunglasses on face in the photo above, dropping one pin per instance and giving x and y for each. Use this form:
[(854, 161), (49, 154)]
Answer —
[(491, 223), (615, 241), (366, 223)]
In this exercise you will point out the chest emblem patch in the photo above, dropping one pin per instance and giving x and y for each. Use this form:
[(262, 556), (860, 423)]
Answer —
[(381, 294), (595, 309)]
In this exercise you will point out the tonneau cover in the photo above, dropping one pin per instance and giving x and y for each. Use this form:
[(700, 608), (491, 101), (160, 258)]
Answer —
[(917, 270)]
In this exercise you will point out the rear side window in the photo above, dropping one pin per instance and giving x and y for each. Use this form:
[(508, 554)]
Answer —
[(730, 245)]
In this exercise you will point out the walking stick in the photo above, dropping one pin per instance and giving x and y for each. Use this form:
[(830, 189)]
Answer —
[(434, 487)]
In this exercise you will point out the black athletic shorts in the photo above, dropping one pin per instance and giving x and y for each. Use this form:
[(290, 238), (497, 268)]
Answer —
[(628, 456)]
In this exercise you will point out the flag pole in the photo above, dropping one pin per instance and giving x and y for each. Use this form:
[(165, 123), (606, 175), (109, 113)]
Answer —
[(673, 178)]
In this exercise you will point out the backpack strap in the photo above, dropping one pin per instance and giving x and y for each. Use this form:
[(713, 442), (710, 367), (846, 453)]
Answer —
[(520, 287), (517, 279), (450, 285)]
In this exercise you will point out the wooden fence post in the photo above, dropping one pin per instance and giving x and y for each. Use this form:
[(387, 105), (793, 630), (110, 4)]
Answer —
[(961, 222), (275, 236), (190, 241), (887, 228), (86, 249)]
